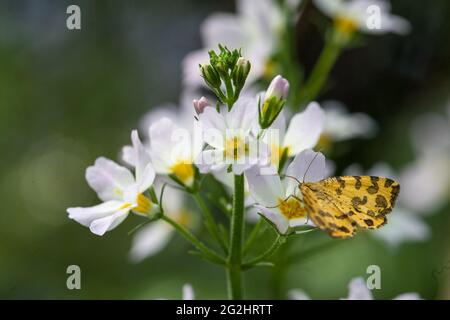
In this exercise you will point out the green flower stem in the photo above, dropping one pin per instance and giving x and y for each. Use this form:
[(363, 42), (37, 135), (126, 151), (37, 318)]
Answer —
[(210, 224), (319, 74), (253, 235), (267, 254), (207, 252), (234, 268)]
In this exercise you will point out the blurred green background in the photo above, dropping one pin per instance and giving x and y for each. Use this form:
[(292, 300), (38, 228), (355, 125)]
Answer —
[(67, 97)]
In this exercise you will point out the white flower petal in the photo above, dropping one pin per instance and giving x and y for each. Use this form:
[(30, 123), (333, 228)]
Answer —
[(403, 226), (329, 8), (430, 127), (307, 166), (146, 179), (341, 125), (128, 155), (426, 183), (357, 290), (280, 222), (211, 119), (85, 216), (305, 129), (280, 125), (150, 240), (141, 157), (100, 226), (243, 115), (223, 28), (408, 296), (298, 294), (265, 189), (210, 160), (100, 218), (191, 74), (167, 144), (188, 292), (108, 179)]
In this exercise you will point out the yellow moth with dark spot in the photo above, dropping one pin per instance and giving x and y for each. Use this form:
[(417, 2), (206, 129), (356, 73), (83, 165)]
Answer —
[(341, 205)]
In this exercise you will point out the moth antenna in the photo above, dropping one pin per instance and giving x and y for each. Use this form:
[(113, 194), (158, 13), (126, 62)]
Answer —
[(287, 198), (309, 165), (288, 176)]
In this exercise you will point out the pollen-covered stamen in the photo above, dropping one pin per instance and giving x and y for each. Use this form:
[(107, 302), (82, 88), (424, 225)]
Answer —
[(183, 171), (144, 205), (291, 208), (345, 25)]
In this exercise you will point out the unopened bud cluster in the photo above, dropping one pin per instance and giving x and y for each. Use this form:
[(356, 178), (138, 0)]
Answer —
[(226, 73)]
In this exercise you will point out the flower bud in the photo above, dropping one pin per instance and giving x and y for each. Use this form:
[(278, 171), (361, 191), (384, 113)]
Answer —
[(240, 72), (210, 75), (279, 88), (274, 100), (200, 105)]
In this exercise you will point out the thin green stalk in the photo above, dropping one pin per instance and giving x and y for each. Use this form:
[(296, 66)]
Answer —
[(207, 252), (234, 268), (267, 254), (210, 224), (322, 68), (253, 235)]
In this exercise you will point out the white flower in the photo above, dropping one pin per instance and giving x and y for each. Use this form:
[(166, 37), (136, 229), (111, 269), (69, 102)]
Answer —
[(172, 150), (255, 28), (341, 125), (403, 226), (188, 292), (174, 140), (151, 239), (279, 201), (298, 294), (229, 136), (303, 132), (370, 16), (120, 191), (182, 114), (429, 181), (429, 175), (357, 290)]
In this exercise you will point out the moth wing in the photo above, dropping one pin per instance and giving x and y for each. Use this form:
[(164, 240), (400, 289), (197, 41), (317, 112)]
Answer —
[(323, 211), (366, 200)]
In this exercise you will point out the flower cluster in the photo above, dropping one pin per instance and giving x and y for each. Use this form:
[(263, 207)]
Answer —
[(255, 144)]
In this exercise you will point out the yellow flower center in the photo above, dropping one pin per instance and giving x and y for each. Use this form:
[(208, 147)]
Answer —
[(269, 70), (291, 208), (183, 218), (144, 205), (345, 25), (324, 142), (235, 148), (276, 152), (184, 171)]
